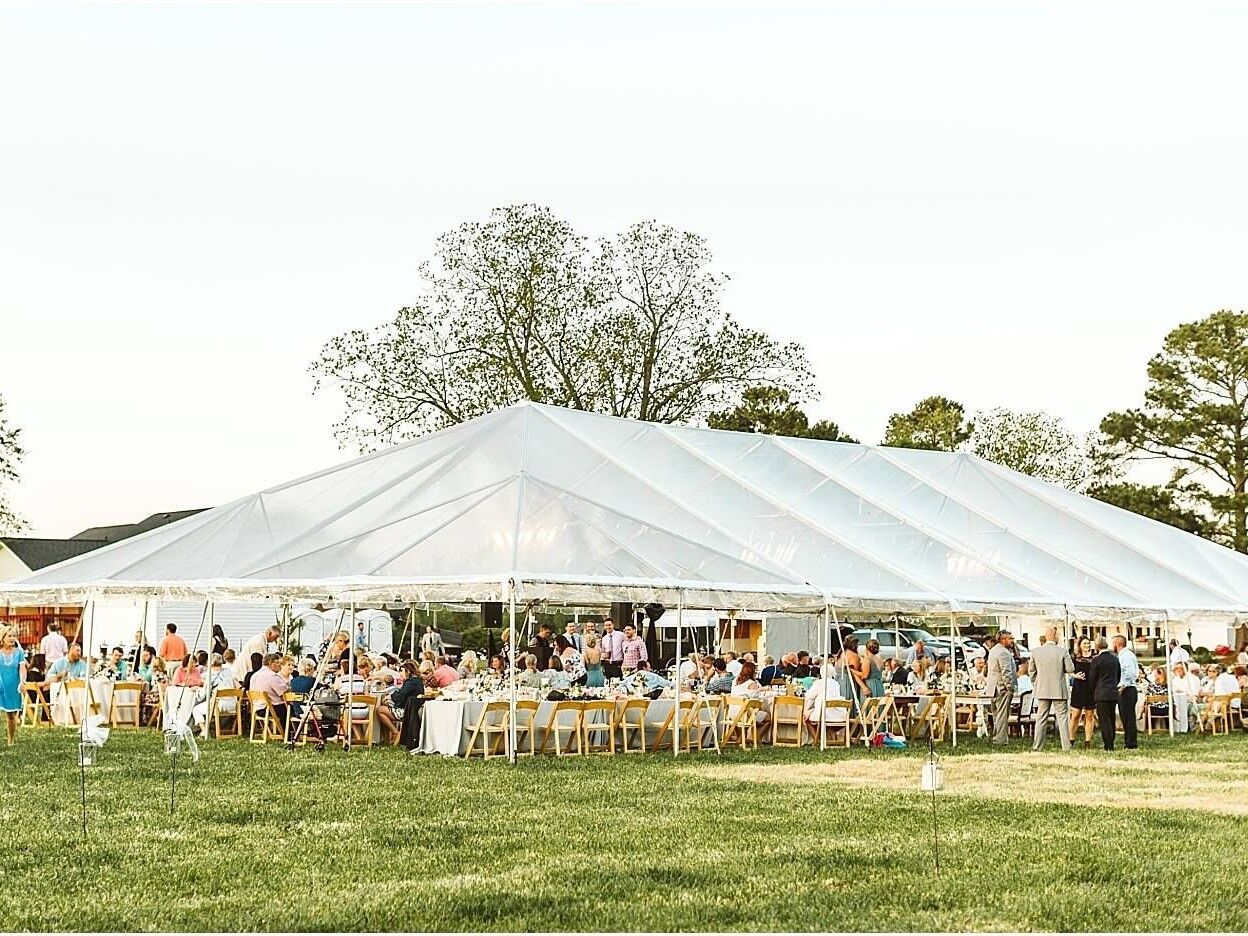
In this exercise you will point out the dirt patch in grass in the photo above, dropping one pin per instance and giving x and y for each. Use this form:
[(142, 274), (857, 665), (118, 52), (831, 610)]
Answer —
[(1135, 780)]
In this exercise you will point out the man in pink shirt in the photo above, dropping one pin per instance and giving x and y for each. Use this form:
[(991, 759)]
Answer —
[(273, 684), (632, 650), (444, 674)]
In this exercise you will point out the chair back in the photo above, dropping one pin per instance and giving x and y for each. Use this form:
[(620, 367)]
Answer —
[(179, 703)]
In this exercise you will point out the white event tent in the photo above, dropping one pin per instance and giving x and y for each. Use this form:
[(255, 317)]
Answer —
[(537, 503)]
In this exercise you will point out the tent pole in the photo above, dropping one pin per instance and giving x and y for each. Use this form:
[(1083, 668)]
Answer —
[(896, 637), (953, 676), (680, 608), (86, 711), (350, 670), (1165, 656), (823, 655), (511, 721)]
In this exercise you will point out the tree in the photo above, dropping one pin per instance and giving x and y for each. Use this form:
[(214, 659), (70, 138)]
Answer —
[(11, 453), (1195, 415), (1159, 502), (936, 423), (1036, 444), (519, 307), (771, 411)]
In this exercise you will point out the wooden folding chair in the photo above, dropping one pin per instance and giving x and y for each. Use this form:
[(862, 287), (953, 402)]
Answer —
[(634, 726), (598, 717), (1240, 713), (492, 728), (526, 726), (742, 722), (35, 705), (831, 727), (216, 710), (153, 716), (360, 727), (702, 721), (1150, 716), (781, 720), (873, 716), (1020, 714), (1218, 711), (933, 719), (262, 717), (77, 692), (664, 728), (128, 697), (555, 724)]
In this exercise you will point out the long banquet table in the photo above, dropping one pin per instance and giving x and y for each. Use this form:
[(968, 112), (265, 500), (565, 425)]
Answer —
[(447, 724)]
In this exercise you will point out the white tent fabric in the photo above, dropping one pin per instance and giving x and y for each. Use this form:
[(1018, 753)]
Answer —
[(558, 504)]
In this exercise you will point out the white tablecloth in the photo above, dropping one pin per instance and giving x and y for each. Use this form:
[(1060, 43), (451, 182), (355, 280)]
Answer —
[(447, 724), (101, 693)]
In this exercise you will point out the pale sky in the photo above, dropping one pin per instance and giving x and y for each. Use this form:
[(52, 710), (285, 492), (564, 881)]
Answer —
[(1009, 204)]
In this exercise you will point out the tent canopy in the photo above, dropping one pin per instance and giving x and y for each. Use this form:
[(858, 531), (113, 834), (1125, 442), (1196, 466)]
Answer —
[(547, 503)]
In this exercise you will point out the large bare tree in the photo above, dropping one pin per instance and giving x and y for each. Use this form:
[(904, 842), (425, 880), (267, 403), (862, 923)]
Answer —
[(521, 307)]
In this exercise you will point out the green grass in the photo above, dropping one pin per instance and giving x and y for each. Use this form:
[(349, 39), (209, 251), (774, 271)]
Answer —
[(377, 840)]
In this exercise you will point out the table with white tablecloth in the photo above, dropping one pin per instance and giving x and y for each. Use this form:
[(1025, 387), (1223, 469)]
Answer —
[(447, 724), (61, 699)]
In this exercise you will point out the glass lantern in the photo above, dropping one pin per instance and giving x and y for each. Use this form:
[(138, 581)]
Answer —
[(88, 751)]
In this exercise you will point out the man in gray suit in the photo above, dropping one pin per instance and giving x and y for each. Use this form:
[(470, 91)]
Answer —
[(1000, 686), (1052, 664)]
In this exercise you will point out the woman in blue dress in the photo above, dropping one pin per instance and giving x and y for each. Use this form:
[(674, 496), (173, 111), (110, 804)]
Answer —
[(12, 675), (592, 660)]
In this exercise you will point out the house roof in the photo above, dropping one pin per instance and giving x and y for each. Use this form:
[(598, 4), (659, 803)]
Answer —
[(114, 534), (548, 503), (37, 552)]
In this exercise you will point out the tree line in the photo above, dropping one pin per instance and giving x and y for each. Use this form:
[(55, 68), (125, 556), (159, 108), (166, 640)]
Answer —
[(521, 306)]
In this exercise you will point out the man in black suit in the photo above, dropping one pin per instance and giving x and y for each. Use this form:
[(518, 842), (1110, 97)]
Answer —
[(1104, 675)]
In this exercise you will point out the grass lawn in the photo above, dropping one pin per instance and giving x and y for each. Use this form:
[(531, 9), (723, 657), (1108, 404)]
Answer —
[(378, 840)]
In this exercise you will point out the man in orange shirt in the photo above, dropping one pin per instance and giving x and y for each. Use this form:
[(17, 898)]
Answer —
[(172, 647)]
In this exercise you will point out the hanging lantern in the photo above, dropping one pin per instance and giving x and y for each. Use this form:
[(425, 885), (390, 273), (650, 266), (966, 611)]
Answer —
[(171, 742), (932, 777), (88, 751)]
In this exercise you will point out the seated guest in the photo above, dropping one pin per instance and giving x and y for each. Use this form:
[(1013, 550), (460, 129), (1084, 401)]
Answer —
[(732, 663), (302, 683), (36, 675), (404, 707), (116, 667), (357, 683), (257, 662), (1156, 686), (689, 668), (937, 675), (801, 666), (187, 674), (824, 687), (468, 664), (497, 666), (747, 687), (570, 657), (721, 682), (443, 673), (1225, 683), (1024, 683), (978, 680), (144, 669), (1241, 676), (555, 676), (70, 666), (646, 680), (269, 680), (220, 677), (771, 671), (529, 677)]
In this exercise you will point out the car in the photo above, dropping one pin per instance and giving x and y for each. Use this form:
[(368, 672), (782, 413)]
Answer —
[(968, 649), (889, 637)]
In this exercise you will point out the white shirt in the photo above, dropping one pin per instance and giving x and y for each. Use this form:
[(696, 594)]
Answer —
[(1226, 684), (1179, 655), (1024, 685), (813, 701), (734, 668), (686, 669), (53, 647), (257, 644), (1188, 685)]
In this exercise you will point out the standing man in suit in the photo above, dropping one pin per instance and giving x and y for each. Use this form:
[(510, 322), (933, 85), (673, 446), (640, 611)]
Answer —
[(1128, 694), (1000, 686), (1052, 665), (1104, 674)]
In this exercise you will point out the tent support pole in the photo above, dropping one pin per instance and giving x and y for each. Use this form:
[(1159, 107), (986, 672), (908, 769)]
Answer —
[(1165, 656), (896, 637), (511, 692), (350, 672), (86, 711), (680, 624), (823, 674), (953, 675)]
